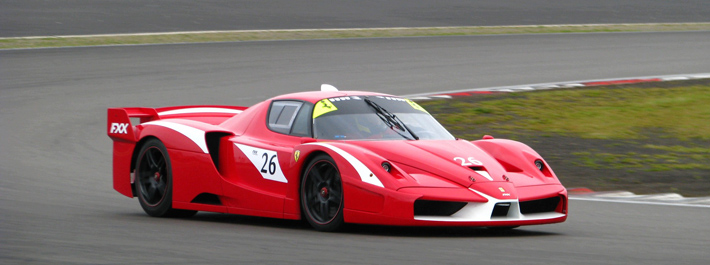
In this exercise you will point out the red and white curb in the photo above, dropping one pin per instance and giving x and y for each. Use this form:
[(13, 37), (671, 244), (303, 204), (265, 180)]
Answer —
[(669, 199), (546, 86)]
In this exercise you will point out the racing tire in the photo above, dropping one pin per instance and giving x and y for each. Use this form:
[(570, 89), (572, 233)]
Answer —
[(322, 194), (154, 181)]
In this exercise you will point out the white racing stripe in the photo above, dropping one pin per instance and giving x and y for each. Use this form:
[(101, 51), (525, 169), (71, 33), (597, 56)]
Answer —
[(484, 174), (194, 134), (199, 110), (365, 174)]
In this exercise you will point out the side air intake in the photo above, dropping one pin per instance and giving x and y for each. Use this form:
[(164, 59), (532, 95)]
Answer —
[(213, 139), (501, 209), (207, 198)]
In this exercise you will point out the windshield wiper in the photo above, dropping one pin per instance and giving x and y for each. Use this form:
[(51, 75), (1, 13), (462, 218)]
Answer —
[(391, 120)]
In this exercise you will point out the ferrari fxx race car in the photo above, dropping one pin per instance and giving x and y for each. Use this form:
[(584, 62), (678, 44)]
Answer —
[(330, 157)]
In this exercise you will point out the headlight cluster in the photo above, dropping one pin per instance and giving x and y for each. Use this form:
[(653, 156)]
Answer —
[(386, 166), (539, 165)]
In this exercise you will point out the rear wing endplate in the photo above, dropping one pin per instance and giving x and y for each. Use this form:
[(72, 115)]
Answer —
[(120, 122)]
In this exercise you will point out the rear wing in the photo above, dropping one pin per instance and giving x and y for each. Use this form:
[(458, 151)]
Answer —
[(121, 122)]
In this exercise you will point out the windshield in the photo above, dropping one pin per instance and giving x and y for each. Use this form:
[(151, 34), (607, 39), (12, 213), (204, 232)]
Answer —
[(375, 118)]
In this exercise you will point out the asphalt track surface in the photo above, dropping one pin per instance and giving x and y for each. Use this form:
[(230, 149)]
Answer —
[(58, 205), (73, 17)]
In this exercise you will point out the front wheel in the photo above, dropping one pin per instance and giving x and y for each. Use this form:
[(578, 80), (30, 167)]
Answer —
[(322, 194), (153, 181)]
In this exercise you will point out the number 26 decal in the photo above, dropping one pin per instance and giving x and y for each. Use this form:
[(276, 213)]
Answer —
[(271, 164), (468, 162), (265, 161)]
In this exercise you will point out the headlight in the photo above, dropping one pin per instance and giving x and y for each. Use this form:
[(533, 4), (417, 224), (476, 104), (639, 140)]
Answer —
[(387, 166), (539, 165)]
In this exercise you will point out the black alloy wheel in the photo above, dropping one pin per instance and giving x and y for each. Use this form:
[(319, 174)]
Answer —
[(153, 181), (322, 194)]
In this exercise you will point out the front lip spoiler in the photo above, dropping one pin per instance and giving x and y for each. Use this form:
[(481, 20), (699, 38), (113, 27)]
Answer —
[(483, 212), (535, 219)]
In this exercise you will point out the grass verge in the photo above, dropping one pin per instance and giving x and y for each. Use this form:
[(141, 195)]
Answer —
[(254, 35), (646, 138)]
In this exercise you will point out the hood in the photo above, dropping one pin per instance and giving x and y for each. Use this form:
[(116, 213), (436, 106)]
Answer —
[(457, 161)]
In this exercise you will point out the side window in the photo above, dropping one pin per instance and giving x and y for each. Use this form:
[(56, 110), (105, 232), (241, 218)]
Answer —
[(290, 117), (302, 125), (282, 115)]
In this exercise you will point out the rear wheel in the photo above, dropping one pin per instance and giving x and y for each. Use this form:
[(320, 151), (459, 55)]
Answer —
[(322, 194), (154, 183)]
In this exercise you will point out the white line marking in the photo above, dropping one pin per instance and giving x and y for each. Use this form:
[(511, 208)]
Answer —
[(352, 29), (420, 98), (700, 76), (675, 78), (572, 85), (639, 202), (578, 83)]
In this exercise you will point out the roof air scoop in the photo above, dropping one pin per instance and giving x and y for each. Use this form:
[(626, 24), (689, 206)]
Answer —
[(327, 87)]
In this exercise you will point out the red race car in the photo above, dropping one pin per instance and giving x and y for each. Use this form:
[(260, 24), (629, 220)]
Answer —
[(330, 157)]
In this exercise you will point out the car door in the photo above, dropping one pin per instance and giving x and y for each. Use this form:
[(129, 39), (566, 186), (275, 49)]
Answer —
[(263, 157)]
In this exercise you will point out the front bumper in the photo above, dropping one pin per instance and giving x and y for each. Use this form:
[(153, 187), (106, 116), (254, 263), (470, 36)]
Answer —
[(534, 205)]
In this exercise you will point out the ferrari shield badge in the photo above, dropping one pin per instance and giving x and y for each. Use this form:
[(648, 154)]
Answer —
[(296, 155)]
